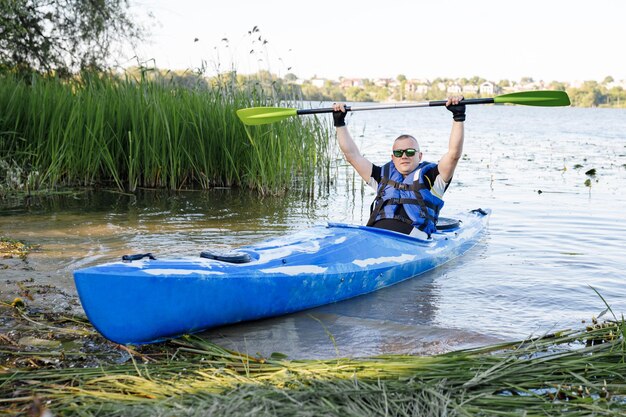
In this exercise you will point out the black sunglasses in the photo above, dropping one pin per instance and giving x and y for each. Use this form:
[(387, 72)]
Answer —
[(409, 152)]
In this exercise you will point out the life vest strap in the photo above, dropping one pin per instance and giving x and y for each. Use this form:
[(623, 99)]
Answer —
[(416, 186), (377, 205)]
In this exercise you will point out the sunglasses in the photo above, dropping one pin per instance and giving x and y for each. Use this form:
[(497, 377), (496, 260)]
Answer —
[(409, 152)]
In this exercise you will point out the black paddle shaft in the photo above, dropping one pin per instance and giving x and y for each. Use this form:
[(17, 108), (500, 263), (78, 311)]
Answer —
[(399, 106), (468, 101)]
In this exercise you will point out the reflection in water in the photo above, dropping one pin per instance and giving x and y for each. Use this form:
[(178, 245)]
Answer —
[(550, 237), (397, 319)]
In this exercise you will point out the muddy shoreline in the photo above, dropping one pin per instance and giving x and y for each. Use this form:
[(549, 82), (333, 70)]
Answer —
[(41, 324), (26, 276)]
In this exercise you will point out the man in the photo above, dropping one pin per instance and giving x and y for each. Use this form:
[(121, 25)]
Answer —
[(409, 191)]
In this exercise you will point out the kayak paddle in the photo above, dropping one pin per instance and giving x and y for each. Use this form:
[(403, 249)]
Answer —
[(545, 98)]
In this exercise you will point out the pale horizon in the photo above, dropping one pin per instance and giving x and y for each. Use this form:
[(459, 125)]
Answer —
[(565, 41)]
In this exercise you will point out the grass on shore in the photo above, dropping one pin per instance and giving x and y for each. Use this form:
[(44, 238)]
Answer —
[(100, 129), (573, 372)]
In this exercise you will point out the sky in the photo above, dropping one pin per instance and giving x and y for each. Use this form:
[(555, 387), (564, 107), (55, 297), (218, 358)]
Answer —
[(562, 40)]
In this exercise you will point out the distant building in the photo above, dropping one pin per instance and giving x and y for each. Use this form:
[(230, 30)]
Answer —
[(487, 88), (533, 85), (454, 89), (470, 88), (417, 86), (351, 82), (383, 82), (413, 87)]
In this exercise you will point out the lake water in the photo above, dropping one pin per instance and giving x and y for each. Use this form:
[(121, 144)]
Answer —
[(553, 235)]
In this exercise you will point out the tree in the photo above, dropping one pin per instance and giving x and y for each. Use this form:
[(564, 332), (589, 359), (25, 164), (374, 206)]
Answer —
[(557, 85), (588, 95), (380, 93), (476, 80), (290, 77), (64, 35), (357, 94)]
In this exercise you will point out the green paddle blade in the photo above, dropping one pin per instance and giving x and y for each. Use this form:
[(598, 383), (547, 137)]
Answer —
[(544, 98), (264, 115)]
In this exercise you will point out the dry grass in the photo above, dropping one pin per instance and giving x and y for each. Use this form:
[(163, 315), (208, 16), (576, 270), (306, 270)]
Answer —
[(575, 372)]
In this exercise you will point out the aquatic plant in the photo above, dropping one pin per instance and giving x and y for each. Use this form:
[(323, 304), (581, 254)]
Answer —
[(15, 248), (578, 372), (100, 129)]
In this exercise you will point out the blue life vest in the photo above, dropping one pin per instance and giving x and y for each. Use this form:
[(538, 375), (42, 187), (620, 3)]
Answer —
[(415, 196)]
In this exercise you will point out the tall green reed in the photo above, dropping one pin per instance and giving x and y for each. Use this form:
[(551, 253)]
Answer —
[(99, 129)]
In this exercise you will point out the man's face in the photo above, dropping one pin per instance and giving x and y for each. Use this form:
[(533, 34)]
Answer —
[(405, 164)]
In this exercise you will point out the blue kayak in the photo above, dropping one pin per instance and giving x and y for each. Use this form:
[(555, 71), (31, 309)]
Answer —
[(149, 300)]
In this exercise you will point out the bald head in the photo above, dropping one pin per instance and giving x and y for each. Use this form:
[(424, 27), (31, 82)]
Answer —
[(403, 138)]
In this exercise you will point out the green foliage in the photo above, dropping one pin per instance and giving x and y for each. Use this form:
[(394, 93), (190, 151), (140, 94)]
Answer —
[(571, 372), (357, 94), (330, 92), (99, 129), (594, 94), (63, 35), (380, 94), (556, 85), (589, 94)]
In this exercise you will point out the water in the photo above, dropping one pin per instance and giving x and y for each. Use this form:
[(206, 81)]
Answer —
[(551, 237)]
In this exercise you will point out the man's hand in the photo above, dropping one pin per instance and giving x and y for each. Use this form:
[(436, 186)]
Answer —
[(458, 110), (339, 114)]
